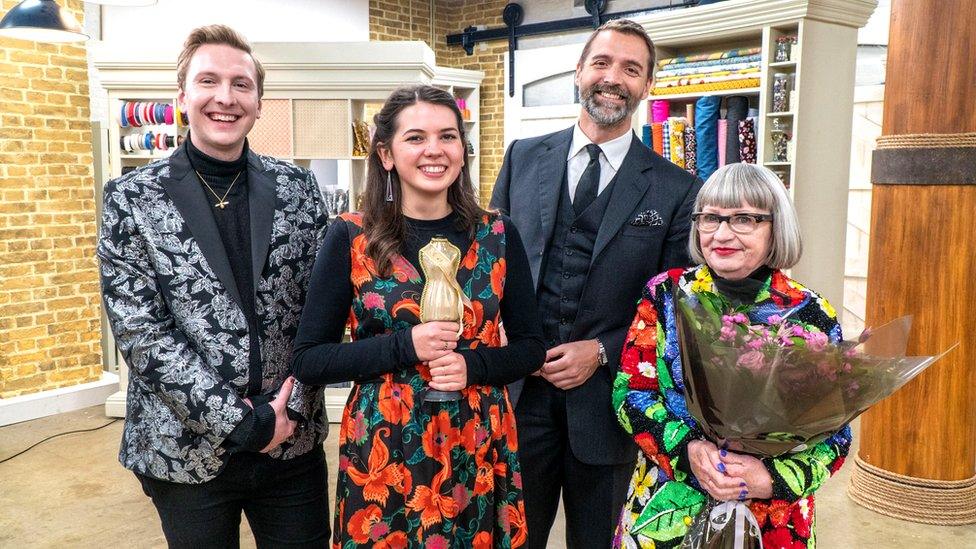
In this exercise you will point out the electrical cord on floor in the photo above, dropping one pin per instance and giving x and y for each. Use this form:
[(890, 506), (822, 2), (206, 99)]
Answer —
[(4, 460)]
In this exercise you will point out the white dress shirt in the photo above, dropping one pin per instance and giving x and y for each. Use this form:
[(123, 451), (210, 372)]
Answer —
[(612, 155)]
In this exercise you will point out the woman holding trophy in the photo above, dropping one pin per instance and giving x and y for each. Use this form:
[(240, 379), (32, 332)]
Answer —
[(424, 277)]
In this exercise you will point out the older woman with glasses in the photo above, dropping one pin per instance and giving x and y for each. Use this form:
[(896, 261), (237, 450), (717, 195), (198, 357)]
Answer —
[(744, 233)]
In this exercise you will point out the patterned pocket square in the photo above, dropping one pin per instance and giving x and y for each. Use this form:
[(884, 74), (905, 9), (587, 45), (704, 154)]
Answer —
[(647, 218)]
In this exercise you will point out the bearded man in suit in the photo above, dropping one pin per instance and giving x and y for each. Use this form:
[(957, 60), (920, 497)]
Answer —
[(205, 258), (600, 214)]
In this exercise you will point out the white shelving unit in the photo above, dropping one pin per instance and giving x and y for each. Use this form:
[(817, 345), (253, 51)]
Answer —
[(313, 94), (822, 63)]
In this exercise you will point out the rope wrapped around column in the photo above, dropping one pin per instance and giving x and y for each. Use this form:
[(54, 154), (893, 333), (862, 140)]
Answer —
[(925, 159), (940, 502)]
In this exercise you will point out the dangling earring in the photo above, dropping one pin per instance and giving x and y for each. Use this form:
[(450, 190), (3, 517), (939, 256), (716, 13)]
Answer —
[(389, 186)]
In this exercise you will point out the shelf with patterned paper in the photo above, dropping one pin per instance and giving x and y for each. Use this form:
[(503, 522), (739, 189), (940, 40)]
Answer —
[(818, 113), (314, 93)]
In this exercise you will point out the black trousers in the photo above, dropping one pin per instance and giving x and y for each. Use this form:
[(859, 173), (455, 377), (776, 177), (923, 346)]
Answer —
[(593, 495), (286, 503)]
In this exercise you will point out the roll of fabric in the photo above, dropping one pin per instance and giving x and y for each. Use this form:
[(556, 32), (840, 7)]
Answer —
[(706, 134), (723, 125), (725, 62), (666, 135), (690, 114), (646, 135), (736, 109), (736, 52), (691, 150), (660, 110), (677, 127), (657, 137), (747, 140)]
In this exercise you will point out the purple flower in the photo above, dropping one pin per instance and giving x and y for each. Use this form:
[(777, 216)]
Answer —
[(775, 319)]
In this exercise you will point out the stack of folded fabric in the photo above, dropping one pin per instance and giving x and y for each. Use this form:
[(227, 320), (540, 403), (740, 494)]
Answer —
[(725, 70)]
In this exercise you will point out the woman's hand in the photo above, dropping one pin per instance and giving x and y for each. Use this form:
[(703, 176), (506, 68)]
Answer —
[(448, 373), (712, 473), (759, 484), (432, 340)]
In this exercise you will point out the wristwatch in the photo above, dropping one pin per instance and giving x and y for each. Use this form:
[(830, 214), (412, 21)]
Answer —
[(601, 355)]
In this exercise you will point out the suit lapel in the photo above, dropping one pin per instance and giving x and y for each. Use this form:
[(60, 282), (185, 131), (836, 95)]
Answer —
[(552, 173), (262, 203), (190, 198), (630, 186)]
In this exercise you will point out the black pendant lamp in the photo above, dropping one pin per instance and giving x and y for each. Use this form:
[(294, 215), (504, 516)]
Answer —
[(41, 21)]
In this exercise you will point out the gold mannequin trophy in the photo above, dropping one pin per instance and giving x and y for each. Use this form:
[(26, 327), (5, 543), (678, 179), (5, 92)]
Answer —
[(442, 298)]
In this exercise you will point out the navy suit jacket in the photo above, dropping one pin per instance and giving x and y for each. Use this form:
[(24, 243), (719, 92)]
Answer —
[(644, 231)]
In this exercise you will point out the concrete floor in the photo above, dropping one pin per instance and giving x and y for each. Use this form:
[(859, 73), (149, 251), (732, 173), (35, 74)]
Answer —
[(72, 492)]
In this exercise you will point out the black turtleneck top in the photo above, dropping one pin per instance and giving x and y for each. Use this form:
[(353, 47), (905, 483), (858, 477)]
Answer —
[(744, 290), (227, 182)]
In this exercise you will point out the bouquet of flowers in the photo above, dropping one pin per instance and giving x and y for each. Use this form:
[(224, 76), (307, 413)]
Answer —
[(777, 387)]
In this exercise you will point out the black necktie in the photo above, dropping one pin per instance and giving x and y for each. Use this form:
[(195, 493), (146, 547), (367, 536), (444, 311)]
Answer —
[(589, 183)]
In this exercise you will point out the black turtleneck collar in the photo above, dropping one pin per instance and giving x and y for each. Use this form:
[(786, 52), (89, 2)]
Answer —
[(218, 172), (744, 290)]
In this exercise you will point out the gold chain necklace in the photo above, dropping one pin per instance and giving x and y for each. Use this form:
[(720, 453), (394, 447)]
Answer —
[(221, 200)]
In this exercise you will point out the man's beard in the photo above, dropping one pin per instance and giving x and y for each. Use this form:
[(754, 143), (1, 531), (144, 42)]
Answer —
[(606, 114)]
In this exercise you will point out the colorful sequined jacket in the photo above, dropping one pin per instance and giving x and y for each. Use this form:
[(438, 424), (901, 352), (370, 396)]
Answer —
[(648, 397)]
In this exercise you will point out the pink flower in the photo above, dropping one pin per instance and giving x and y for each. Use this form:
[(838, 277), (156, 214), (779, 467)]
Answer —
[(727, 333), (752, 361), (816, 341), (775, 319), (498, 227), (740, 318), (373, 300), (437, 541), (378, 530)]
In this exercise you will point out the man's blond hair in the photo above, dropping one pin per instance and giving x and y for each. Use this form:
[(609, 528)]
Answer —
[(215, 34)]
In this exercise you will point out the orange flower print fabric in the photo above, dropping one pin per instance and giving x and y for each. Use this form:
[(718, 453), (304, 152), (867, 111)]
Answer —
[(415, 474)]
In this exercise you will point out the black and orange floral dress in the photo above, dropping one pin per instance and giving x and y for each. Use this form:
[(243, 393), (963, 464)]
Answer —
[(414, 473)]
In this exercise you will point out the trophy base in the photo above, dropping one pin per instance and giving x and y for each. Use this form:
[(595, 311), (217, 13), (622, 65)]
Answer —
[(442, 396)]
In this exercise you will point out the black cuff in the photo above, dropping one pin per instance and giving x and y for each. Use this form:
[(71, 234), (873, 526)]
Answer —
[(254, 432), (477, 368), (405, 352)]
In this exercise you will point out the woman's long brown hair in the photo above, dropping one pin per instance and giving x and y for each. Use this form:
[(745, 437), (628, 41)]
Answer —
[(383, 222)]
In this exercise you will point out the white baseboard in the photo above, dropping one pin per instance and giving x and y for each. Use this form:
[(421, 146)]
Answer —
[(335, 401), (57, 401)]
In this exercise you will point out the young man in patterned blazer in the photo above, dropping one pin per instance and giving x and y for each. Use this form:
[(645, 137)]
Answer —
[(205, 258)]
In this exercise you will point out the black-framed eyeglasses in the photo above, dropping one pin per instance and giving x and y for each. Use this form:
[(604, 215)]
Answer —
[(742, 223)]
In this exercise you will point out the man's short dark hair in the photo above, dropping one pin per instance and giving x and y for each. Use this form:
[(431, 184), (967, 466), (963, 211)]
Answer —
[(624, 26)]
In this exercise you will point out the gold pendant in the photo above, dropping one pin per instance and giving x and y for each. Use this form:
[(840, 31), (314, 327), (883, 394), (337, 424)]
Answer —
[(221, 204)]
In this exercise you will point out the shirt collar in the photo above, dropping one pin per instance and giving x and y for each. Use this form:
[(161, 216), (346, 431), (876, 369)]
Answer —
[(615, 150)]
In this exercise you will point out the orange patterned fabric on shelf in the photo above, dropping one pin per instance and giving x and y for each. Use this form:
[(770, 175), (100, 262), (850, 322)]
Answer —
[(272, 133), (713, 86)]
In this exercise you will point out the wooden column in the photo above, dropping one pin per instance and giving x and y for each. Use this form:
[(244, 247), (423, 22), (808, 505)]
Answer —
[(919, 446)]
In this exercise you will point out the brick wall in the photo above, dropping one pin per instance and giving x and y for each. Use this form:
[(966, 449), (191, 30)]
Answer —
[(49, 297), (410, 20)]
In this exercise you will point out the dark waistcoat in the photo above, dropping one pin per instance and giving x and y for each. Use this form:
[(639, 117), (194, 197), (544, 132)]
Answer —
[(567, 263)]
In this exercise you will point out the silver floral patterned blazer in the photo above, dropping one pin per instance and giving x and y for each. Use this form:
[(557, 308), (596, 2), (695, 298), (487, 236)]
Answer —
[(176, 313)]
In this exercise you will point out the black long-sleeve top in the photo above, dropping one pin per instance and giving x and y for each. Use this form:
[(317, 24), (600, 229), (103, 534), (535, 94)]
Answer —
[(320, 358), (228, 179)]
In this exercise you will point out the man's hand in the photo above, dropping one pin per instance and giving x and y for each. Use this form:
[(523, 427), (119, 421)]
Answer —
[(448, 373), (284, 427), (571, 364)]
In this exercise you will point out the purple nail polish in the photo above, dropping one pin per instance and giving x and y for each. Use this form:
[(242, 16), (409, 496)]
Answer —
[(720, 467), (723, 452), (742, 485)]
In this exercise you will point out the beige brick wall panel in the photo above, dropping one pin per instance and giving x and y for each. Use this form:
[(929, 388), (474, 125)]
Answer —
[(50, 332)]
